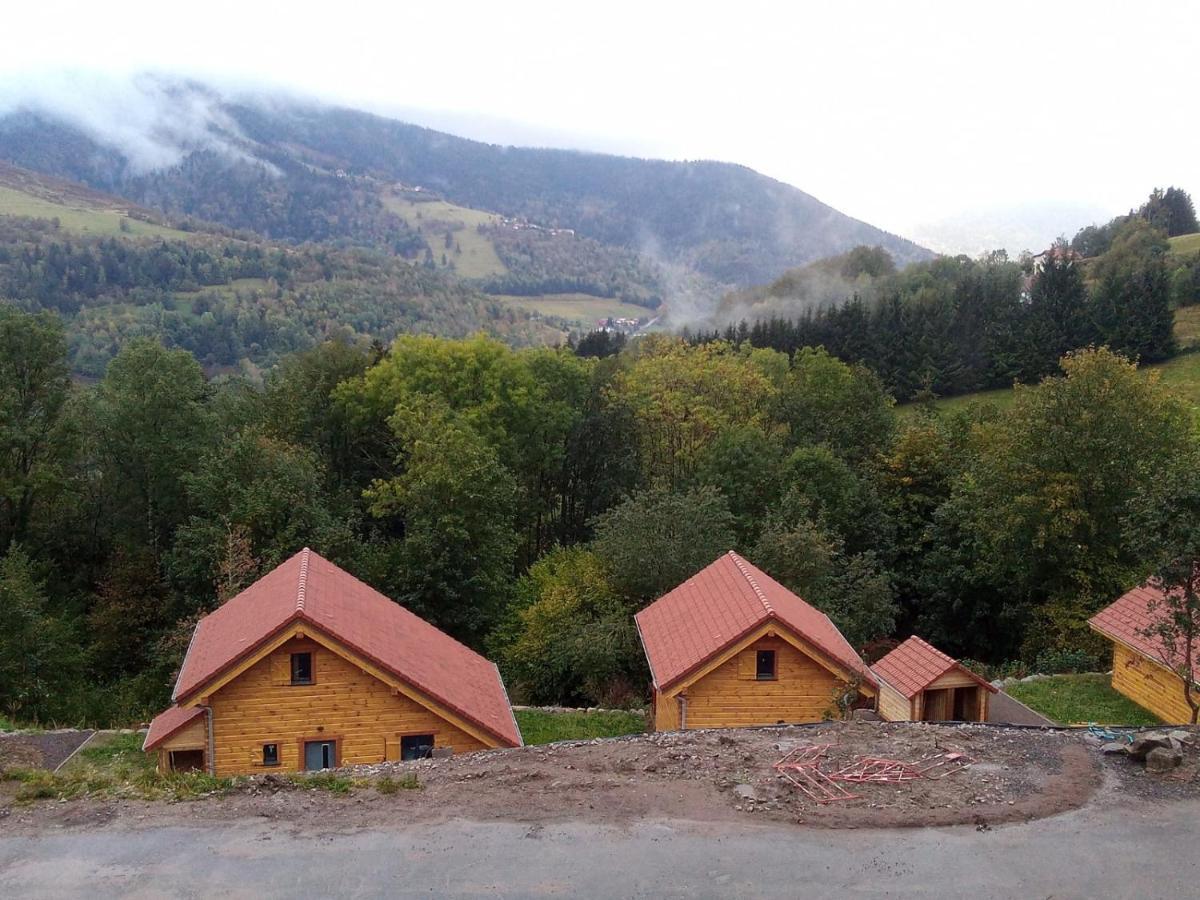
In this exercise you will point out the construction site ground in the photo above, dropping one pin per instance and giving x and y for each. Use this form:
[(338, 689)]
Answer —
[(703, 776)]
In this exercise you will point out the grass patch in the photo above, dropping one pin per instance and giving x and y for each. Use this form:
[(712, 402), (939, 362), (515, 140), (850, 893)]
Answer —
[(478, 257), (577, 309), (327, 781), (539, 727), (114, 767), (1077, 699), (81, 218), (1185, 244), (406, 782)]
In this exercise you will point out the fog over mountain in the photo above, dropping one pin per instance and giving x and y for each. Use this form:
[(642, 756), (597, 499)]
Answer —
[(196, 149)]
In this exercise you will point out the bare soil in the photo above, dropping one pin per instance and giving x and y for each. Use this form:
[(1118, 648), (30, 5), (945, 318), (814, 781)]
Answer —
[(39, 750), (705, 776)]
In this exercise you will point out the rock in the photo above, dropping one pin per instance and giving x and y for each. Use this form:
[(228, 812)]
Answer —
[(745, 791), (1144, 743), (1115, 747), (1184, 737), (1161, 759)]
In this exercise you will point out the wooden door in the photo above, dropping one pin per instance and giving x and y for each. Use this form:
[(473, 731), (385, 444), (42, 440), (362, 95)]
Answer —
[(936, 706)]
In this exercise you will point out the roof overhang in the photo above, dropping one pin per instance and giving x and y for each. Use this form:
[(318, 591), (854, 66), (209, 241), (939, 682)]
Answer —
[(771, 624)]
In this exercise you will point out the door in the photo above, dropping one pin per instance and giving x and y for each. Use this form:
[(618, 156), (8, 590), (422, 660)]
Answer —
[(319, 755), (937, 706), (966, 704)]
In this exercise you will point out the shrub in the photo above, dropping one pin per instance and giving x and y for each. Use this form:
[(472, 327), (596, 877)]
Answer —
[(1063, 662)]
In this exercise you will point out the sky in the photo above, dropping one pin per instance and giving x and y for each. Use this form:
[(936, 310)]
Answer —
[(965, 126)]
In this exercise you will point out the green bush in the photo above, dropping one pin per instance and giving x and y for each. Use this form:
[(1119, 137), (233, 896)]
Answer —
[(325, 781), (1067, 662)]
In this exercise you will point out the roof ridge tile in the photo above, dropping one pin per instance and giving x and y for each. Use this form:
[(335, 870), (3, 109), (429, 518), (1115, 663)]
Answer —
[(753, 582), (302, 583)]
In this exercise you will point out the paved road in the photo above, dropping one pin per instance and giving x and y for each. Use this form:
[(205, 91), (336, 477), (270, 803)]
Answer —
[(1087, 854)]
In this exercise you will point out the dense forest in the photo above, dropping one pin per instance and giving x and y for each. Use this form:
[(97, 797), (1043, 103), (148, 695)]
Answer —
[(529, 501), (956, 325), (232, 303)]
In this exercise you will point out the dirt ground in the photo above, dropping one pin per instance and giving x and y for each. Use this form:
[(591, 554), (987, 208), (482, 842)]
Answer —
[(704, 776), (39, 750)]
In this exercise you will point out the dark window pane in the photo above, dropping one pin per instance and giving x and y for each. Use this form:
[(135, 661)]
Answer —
[(302, 668), (766, 663), (270, 754), (416, 746)]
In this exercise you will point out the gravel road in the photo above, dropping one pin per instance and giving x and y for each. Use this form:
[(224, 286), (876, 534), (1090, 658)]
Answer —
[(1136, 848)]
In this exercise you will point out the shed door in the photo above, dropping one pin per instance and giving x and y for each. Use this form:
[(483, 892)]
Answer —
[(319, 755)]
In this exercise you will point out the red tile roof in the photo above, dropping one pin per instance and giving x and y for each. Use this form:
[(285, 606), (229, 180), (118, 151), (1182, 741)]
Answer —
[(169, 721), (309, 588), (916, 664), (1126, 618), (720, 605)]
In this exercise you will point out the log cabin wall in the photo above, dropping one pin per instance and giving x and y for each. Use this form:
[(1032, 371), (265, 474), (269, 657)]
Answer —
[(893, 705), (1150, 685), (732, 696), (366, 716)]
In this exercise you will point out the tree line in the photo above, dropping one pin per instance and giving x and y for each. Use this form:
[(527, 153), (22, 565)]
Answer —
[(957, 325), (530, 501)]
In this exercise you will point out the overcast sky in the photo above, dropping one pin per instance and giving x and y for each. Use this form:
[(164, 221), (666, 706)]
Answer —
[(959, 124)]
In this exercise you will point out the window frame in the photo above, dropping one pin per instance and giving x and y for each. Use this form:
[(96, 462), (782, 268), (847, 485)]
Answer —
[(418, 734), (312, 674), (275, 747), (773, 675)]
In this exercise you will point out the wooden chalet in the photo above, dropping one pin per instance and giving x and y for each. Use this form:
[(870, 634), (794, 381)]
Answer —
[(309, 668), (920, 683), (733, 647), (1143, 668)]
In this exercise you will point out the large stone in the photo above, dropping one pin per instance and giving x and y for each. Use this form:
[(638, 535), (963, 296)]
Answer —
[(1144, 743), (1180, 735), (1115, 747), (1160, 759)]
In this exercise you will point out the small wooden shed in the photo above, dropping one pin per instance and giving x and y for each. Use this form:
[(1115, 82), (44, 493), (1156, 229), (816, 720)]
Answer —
[(732, 647), (920, 683), (1143, 669)]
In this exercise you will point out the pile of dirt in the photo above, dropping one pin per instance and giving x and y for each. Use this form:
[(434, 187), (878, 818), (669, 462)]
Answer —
[(1018, 774), (39, 749)]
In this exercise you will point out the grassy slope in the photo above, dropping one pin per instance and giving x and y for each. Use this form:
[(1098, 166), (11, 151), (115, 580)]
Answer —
[(577, 309), (478, 258), (1075, 699), (538, 727), (77, 214), (1186, 244)]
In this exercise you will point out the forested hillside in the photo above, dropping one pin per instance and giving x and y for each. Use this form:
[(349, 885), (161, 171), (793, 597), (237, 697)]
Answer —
[(956, 325), (303, 172), (529, 501)]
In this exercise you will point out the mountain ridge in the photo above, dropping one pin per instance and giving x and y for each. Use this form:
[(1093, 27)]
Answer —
[(301, 170)]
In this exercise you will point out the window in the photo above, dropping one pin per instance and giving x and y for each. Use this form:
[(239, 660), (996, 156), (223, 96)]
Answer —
[(302, 672), (270, 754), (416, 746), (765, 669)]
